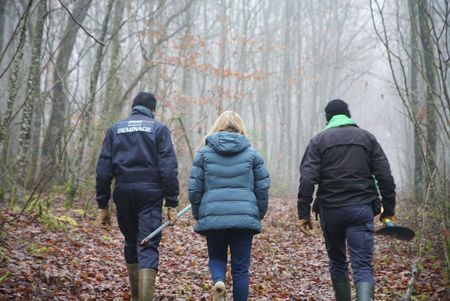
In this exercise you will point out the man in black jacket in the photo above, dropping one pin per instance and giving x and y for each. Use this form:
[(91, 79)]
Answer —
[(138, 153), (351, 171)]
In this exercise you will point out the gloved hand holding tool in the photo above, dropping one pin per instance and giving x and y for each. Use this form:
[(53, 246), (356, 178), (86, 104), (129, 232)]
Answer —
[(388, 221), (172, 215), (171, 212), (103, 217), (401, 233), (306, 226)]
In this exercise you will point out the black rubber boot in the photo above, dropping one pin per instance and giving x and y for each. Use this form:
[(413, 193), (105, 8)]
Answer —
[(365, 291), (341, 287)]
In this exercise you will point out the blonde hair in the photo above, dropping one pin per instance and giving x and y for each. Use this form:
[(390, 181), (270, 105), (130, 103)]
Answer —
[(228, 121)]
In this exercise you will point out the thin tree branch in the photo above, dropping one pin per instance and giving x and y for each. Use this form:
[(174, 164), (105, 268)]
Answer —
[(79, 24)]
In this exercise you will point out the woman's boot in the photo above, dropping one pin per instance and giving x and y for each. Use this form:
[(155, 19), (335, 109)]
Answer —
[(218, 293), (365, 291)]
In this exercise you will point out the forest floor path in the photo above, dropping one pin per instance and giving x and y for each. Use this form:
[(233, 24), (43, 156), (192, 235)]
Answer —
[(83, 262)]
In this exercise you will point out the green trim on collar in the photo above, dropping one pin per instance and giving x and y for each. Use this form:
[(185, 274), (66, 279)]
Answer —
[(339, 120)]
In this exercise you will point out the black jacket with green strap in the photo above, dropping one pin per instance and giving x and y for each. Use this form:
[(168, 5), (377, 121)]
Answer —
[(343, 161)]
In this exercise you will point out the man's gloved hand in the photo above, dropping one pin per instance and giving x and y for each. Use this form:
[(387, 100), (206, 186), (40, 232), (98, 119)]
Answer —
[(388, 220), (306, 226), (104, 217), (172, 215)]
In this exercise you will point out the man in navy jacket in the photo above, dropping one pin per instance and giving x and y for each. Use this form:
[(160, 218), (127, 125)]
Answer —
[(346, 163), (138, 153)]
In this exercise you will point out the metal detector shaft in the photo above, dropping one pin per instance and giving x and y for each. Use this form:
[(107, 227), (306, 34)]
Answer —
[(165, 225)]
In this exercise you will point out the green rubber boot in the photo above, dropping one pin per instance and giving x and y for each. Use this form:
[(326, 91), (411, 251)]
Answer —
[(133, 277), (341, 287), (147, 279), (365, 291)]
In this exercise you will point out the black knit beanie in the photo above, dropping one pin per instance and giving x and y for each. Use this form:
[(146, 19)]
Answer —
[(145, 99), (336, 107)]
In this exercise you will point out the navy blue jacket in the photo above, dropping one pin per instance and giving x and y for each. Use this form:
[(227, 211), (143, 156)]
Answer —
[(229, 184), (138, 149), (343, 161)]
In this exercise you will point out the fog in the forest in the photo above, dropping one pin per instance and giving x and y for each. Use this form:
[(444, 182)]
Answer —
[(69, 69)]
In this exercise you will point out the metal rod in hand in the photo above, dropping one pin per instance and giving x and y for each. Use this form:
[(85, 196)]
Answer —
[(165, 225)]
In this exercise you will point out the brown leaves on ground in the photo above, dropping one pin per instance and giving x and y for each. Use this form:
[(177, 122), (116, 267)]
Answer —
[(84, 262)]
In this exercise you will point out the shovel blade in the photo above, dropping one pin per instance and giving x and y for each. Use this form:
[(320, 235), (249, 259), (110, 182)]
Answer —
[(401, 233)]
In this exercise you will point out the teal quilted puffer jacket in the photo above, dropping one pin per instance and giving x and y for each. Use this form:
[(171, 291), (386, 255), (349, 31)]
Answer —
[(229, 184)]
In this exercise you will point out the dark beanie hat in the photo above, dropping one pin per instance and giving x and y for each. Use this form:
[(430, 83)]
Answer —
[(145, 99), (336, 107)]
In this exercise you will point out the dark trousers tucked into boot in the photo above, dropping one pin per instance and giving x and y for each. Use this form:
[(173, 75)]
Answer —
[(133, 277), (365, 291), (341, 287), (147, 279)]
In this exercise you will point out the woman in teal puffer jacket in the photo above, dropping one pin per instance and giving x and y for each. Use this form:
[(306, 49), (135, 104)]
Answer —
[(228, 190)]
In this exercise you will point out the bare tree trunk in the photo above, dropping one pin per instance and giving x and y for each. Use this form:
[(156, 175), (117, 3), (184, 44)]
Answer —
[(223, 52), (12, 91), (185, 108), (33, 89), (204, 131), (36, 136), (14, 77), (428, 63), (186, 86), (112, 105), (286, 137), (339, 25), (263, 86), (155, 71), (2, 23), (299, 98), (51, 149), (87, 113), (37, 132), (242, 66), (418, 163), (316, 71)]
